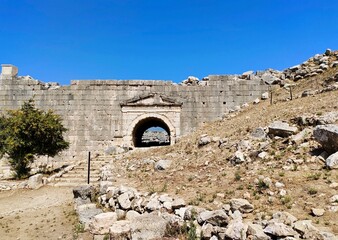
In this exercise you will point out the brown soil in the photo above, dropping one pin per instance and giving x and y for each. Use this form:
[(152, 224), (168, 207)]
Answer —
[(46, 213)]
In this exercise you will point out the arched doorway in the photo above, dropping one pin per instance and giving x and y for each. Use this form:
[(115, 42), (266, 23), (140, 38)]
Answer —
[(151, 131)]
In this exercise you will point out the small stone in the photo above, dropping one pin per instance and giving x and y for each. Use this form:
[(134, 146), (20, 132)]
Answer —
[(265, 96), (162, 165), (318, 212)]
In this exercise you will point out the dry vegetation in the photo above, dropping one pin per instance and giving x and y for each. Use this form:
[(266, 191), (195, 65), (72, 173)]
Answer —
[(204, 176)]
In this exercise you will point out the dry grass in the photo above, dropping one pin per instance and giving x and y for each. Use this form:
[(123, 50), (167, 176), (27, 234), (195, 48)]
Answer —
[(204, 177)]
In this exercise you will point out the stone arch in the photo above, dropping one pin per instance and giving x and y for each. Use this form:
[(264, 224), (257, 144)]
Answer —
[(145, 121)]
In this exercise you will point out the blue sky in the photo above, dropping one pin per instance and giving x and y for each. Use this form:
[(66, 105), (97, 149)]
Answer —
[(63, 40)]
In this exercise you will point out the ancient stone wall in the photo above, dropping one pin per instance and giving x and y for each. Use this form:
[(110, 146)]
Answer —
[(104, 113)]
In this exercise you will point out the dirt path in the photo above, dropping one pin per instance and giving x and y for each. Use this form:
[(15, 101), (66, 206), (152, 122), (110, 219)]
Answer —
[(46, 213)]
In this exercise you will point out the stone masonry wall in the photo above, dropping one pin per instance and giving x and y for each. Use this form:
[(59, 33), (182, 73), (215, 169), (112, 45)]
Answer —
[(92, 112)]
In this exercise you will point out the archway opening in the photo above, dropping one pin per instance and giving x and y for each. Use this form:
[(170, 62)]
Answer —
[(150, 132)]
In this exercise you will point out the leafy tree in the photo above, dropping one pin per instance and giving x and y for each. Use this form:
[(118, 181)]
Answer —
[(27, 133)]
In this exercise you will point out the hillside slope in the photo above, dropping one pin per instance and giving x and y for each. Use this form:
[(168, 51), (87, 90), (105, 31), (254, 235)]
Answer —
[(291, 176)]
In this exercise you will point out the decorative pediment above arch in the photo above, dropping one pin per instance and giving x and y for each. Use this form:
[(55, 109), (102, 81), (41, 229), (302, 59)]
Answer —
[(152, 99)]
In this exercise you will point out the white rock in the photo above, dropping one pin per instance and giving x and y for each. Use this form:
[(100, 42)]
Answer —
[(318, 212), (279, 230), (162, 165), (241, 204), (132, 215), (332, 161), (279, 185), (120, 230), (265, 96), (100, 223), (124, 201), (35, 181), (148, 226), (256, 231)]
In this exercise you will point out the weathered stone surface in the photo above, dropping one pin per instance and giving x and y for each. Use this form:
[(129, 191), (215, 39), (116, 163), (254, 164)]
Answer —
[(178, 203), (236, 230), (279, 230), (120, 230), (35, 181), (100, 223), (284, 217), (162, 164), (256, 231), (153, 204), (124, 201), (327, 136), (132, 214), (86, 213), (238, 157), (318, 212), (204, 140), (332, 161), (84, 192), (259, 133), (281, 129), (241, 204), (301, 136), (306, 229), (148, 226), (216, 218), (207, 231)]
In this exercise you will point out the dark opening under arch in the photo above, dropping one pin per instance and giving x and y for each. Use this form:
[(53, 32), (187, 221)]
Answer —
[(146, 124)]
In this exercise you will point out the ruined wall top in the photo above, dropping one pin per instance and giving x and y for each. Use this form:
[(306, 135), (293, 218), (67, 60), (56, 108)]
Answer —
[(8, 71)]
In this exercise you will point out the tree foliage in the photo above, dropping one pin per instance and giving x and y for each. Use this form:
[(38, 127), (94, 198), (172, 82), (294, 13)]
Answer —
[(30, 132)]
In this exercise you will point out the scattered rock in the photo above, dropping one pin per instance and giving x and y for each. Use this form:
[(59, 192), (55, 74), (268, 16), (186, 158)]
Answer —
[(120, 230), (327, 136), (148, 226), (279, 230), (204, 140), (259, 133), (281, 129), (162, 165), (318, 212), (242, 205), (35, 181), (332, 161), (256, 231), (84, 192), (216, 218), (102, 222)]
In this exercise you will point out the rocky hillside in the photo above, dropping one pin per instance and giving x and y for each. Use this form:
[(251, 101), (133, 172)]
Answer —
[(267, 170)]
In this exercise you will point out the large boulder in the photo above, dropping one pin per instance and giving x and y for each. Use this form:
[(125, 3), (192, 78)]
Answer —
[(327, 136), (281, 129), (120, 230), (101, 223), (236, 230), (35, 181), (279, 230), (148, 226)]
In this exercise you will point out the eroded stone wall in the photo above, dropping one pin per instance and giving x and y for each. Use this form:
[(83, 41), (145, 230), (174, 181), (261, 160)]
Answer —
[(92, 110)]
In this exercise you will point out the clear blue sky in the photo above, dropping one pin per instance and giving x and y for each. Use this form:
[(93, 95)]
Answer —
[(61, 40)]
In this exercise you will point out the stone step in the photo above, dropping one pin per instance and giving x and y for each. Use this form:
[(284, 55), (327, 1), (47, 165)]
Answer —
[(70, 184), (79, 174), (76, 179)]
